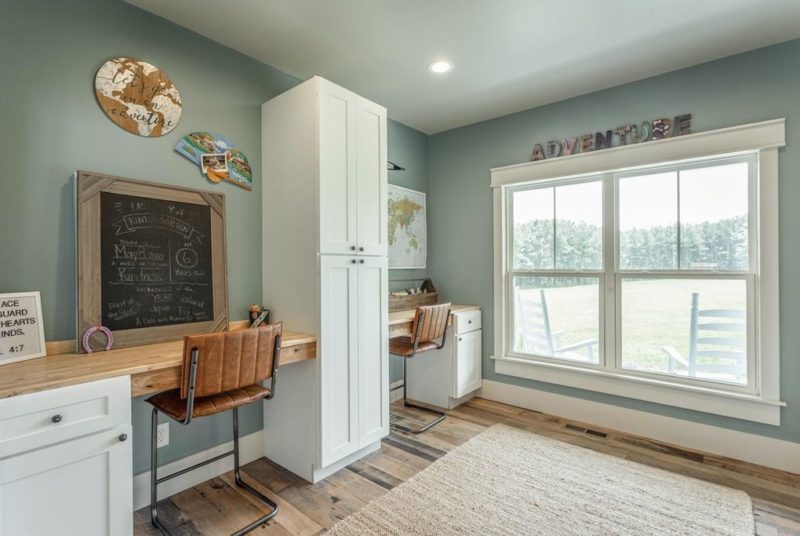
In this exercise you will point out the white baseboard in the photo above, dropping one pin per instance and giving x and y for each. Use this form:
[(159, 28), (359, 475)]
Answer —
[(761, 450), (325, 472), (251, 448)]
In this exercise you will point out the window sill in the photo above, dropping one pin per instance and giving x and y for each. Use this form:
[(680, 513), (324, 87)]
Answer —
[(708, 400)]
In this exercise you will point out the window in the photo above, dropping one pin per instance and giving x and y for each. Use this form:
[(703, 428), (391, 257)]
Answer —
[(683, 276), (679, 271), (651, 281), (557, 259)]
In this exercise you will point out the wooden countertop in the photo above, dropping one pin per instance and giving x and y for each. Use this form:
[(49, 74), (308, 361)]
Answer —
[(152, 367)]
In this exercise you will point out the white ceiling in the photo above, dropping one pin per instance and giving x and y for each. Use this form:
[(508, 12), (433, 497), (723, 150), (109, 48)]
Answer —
[(509, 55)]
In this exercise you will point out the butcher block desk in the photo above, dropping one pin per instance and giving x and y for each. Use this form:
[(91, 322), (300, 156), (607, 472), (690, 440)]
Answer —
[(152, 367)]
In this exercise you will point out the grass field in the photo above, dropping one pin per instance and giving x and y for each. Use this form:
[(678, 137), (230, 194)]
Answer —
[(655, 314)]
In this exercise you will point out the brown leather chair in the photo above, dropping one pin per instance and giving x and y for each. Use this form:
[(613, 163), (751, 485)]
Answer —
[(220, 372), (429, 326)]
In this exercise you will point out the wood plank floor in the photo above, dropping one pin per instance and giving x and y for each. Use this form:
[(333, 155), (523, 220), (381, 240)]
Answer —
[(217, 507)]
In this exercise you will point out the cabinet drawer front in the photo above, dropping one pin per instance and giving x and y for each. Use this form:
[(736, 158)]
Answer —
[(468, 321), (47, 417)]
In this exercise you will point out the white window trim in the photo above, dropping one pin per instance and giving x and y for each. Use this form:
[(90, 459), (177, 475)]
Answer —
[(764, 138)]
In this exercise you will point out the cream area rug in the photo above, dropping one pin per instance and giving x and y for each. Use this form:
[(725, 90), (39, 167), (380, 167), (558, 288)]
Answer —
[(508, 481)]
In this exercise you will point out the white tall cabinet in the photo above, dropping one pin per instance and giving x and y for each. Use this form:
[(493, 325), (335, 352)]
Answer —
[(325, 271)]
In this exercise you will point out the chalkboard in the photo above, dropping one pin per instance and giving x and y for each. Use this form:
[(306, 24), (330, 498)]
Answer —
[(155, 260), (151, 259)]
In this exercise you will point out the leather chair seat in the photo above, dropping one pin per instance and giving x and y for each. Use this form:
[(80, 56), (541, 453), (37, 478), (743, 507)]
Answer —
[(171, 403), (403, 346)]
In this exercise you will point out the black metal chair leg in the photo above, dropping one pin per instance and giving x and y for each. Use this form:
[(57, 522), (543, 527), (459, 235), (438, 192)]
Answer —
[(247, 487), (154, 480), (408, 404), (153, 475)]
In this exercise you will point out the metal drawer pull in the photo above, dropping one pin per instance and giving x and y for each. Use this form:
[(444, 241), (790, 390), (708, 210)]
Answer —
[(460, 339), (361, 248), (354, 261), (56, 418), (361, 261), (469, 322), (353, 248), (123, 437)]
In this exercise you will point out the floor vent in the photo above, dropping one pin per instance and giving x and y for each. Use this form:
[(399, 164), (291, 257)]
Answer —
[(576, 428)]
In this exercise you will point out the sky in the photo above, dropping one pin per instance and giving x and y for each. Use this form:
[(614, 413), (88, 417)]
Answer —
[(707, 194)]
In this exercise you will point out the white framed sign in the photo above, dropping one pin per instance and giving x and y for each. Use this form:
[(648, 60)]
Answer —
[(21, 328)]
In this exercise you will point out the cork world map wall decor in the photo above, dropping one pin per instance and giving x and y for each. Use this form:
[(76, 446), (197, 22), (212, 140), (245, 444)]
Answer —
[(138, 96)]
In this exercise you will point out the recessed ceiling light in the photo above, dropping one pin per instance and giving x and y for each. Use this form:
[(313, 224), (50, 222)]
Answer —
[(440, 67)]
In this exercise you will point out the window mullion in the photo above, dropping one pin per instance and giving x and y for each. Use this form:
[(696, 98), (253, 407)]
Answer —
[(678, 266), (555, 238), (608, 298)]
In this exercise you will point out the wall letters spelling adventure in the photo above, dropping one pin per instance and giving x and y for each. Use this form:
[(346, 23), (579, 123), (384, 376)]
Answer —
[(155, 262), (656, 129)]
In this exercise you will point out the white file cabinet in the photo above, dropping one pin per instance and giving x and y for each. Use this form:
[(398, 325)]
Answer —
[(65, 461), (450, 376)]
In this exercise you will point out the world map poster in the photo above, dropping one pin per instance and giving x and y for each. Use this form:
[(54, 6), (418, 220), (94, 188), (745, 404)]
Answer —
[(408, 228)]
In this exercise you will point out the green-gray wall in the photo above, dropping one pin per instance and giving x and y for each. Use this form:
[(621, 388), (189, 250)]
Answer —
[(52, 126), (750, 87), (408, 148)]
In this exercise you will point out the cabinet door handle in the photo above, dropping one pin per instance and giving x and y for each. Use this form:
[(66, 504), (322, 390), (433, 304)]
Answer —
[(469, 321), (353, 248), (122, 437), (361, 261), (361, 248), (56, 418), (354, 261), (460, 339)]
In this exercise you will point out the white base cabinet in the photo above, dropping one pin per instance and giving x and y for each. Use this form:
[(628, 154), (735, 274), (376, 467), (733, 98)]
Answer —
[(450, 376), (66, 466)]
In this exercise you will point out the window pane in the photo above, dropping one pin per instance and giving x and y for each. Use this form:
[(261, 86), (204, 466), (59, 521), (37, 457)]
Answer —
[(533, 228), (686, 327), (579, 226), (648, 222), (557, 317), (714, 206)]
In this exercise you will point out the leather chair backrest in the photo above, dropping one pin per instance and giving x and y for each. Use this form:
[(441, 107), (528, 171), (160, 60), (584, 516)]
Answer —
[(230, 359), (433, 319)]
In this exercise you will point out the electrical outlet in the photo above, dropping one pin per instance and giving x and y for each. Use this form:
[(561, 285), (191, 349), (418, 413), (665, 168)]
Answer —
[(162, 435)]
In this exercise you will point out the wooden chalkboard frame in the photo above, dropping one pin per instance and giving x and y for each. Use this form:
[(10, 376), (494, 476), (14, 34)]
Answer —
[(88, 189)]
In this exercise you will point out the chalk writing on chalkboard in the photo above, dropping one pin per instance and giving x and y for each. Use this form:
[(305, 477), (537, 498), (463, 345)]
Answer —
[(155, 262)]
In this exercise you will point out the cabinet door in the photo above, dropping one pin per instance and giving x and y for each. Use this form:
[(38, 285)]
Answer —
[(338, 357), (83, 486), (337, 182), (373, 349), (468, 363), (371, 179)]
